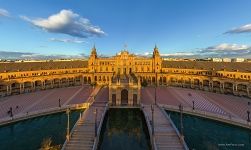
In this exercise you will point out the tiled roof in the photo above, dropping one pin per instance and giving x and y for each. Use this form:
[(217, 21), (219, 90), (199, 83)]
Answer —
[(31, 66), (208, 65)]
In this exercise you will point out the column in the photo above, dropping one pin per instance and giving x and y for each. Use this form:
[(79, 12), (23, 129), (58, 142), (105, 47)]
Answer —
[(68, 82), (221, 87), (7, 90), (157, 80), (138, 96), (192, 83), (34, 86), (52, 83), (74, 81), (21, 89), (43, 85), (59, 83), (236, 89), (10, 90), (248, 91)]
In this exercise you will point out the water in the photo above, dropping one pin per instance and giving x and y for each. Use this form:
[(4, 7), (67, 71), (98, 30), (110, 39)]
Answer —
[(29, 134), (206, 134), (124, 129)]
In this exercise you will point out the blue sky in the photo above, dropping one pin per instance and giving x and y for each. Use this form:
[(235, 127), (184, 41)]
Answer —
[(178, 27)]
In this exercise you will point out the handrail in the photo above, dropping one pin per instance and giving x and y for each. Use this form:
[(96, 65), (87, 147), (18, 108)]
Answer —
[(74, 127), (89, 103), (153, 142), (183, 142), (96, 141)]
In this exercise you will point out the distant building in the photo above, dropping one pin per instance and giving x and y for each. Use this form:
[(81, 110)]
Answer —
[(238, 60), (216, 59), (226, 60)]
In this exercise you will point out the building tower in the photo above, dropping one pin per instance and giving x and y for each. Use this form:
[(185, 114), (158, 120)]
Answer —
[(92, 59), (156, 60)]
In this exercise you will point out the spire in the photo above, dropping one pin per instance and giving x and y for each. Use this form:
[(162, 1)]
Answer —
[(155, 51), (94, 52), (155, 48)]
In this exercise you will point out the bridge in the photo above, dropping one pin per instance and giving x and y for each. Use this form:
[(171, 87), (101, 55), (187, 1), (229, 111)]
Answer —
[(85, 133), (163, 133)]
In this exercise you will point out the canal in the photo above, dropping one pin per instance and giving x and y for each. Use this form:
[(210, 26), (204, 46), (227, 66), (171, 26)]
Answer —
[(29, 134), (205, 134), (124, 129)]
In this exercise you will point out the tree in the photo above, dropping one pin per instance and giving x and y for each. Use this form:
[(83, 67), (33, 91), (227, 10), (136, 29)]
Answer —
[(144, 83), (47, 145)]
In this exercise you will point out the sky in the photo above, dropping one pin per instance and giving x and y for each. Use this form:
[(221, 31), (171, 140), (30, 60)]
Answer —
[(70, 28)]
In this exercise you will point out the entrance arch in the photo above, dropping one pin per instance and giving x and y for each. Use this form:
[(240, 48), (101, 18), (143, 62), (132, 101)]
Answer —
[(124, 97)]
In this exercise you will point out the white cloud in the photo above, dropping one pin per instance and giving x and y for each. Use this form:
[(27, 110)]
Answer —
[(67, 22), (67, 40), (243, 29), (5, 55), (226, 50), (4, 13), (228, 47)]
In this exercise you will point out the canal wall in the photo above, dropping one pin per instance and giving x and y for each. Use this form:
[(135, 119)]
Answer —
[(204, 114), (44, 112)]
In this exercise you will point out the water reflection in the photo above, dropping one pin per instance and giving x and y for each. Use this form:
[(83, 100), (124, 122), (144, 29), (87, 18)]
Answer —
[(124, 129), (28, 134)]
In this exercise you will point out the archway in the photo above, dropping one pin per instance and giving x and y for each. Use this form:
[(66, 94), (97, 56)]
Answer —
[(124, 97)]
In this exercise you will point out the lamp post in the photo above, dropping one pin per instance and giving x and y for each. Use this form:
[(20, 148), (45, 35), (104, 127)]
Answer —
[(59, 103), (96, 112), (68, 124), (248, 112), (155, 96), (181, 122), (152, 108)]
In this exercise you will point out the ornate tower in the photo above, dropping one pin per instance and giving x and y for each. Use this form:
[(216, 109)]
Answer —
[(156, 60), (92, 59)]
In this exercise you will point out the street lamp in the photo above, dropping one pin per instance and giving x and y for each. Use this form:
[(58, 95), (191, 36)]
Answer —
[(59, 103), (96, 112), (155, 96), (68, 124), (248, 112), (152, 108)]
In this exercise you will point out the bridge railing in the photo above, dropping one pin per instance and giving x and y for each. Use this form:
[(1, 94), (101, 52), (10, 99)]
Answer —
[(183, 142), (83, 116), (149, 126), (96, 141)]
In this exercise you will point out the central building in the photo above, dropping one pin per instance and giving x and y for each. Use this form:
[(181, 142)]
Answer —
[(122, 74)]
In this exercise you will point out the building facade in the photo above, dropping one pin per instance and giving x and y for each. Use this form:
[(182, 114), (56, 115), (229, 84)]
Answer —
[(124, 73)]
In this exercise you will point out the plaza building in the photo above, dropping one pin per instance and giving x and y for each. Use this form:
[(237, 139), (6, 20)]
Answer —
[(126, 74)]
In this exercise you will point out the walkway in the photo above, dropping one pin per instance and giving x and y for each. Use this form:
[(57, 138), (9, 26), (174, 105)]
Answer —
[(166, 136), (219, 104), (43, 100), (83, 133)]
